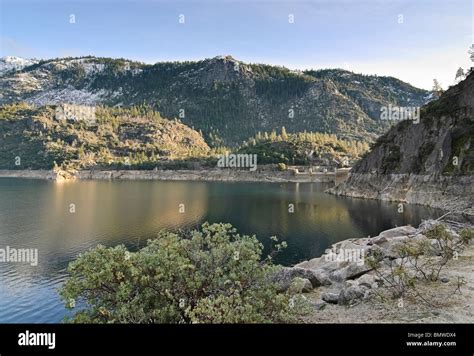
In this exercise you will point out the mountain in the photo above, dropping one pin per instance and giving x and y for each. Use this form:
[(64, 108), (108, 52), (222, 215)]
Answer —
[(224, 98), (75, 137), (11, 64), (430, 162)]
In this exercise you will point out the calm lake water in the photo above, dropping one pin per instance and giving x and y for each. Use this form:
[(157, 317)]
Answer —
[(36, 214)]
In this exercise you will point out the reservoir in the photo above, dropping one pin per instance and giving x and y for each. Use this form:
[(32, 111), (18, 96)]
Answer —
[(61, 220)]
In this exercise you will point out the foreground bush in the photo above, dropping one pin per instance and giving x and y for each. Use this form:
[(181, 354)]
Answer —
[(213, 275), (421, 260)]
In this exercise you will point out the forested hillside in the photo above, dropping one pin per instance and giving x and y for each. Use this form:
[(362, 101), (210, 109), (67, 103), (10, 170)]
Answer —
[(228, 100)]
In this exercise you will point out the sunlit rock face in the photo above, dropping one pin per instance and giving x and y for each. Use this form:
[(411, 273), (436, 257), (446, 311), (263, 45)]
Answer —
[(429, 163)]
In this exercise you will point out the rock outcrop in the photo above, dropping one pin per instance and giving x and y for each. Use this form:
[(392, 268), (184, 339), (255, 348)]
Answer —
[(344, 274), (429, 163)]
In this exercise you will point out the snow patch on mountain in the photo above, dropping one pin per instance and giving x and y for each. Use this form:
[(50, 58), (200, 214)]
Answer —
[(11, 63), (91, 68), (69, 95)]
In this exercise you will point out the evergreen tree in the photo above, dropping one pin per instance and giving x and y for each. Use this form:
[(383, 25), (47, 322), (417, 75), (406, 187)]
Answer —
[(437, 89), (459, 74)]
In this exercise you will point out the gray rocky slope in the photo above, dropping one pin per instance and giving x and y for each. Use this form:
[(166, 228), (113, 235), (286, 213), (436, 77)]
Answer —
[(429, 163)]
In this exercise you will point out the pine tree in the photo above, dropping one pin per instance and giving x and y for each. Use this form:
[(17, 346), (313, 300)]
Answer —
[(459, 74), (437, 89)]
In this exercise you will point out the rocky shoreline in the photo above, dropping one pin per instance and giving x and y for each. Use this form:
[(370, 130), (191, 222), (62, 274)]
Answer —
[(332, 270), (343, 287), (451, 193), (226, 175)]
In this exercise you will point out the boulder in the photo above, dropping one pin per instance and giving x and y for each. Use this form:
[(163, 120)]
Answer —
[(330, 297), (322, 276), (314, 263), (352, 293), (351, 271), (398, 234), (367, 280), (398, 231), (346, 245), (388, 242), (284, 277), (320, 269)]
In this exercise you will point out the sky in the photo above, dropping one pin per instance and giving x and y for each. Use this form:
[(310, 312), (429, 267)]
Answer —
[(413, 40)]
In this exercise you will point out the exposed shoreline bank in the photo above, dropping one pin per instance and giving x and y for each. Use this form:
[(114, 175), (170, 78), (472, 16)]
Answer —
[(224, 175), (450, 193)]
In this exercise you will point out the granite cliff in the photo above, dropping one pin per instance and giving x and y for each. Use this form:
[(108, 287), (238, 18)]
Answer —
[(429, 163)]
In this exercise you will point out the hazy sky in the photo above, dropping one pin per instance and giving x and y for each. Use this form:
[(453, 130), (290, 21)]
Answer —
[(414, 40)]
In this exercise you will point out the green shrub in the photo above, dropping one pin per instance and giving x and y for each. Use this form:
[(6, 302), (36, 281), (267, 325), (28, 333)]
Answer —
[(211, 275)]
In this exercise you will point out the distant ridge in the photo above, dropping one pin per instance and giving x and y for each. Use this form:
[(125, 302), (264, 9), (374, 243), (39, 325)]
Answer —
[(225, 98)]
